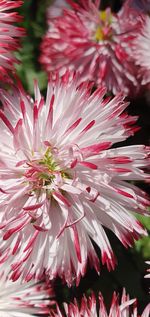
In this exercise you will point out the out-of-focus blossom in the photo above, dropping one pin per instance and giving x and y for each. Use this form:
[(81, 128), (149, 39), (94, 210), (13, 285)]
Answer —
[(148, 270), (96, 43), (88, 308), (61, 182), (141, 51), (24, 300), (140, 5), (56, 8), (9, 36)]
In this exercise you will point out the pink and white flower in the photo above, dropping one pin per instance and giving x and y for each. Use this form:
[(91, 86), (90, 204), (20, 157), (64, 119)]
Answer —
[(61, 182), (56, 8), (141, 51), (88, 308), (9, 37), (96, 43), (148, 270), (24, 300), (140, 5)]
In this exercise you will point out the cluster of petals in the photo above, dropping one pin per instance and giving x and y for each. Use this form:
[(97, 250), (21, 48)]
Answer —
[(96, 43), (56, 8), (141, 51), (88, 308), (62, 182), (24, 300), (148, 270), (140, 5), (10, 35)]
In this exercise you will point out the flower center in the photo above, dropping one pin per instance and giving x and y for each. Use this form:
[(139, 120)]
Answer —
[(104, 30), (45, 175)]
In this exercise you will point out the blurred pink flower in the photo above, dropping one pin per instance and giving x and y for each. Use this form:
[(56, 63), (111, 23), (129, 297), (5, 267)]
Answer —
[(148, 270), (56, 8), (88, 308), (61, 182), (9, 37), (140, 5), (141, 51), (24, 300), (96, 43)]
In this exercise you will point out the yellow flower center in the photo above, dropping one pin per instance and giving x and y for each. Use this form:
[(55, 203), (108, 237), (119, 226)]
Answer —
[(103, 31), (45, 174)]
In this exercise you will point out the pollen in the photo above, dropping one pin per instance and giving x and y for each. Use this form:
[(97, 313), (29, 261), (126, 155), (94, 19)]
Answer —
[(44, 174), (105, 16), (48, 161), (103, 31), (99, 35)]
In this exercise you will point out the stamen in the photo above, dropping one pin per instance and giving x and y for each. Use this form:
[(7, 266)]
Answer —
[(104, 30), (45, 175)]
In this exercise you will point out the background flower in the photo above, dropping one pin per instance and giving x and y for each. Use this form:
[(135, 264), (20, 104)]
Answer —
[(24, 300), (96, 43), (141, 51), (88, 308), (10, 35), (140, 5), (56, 8), (148, 270)]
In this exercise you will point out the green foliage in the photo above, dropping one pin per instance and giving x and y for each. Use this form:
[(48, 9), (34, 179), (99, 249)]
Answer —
[(143, 245), (34, 13)]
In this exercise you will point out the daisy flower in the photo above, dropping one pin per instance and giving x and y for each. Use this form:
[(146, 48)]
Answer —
[(140, 5), (148, 270), (96, 43), (62, 182), (9, 37), (88, 308), (56, 8), (24, 300), (141, 51)]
